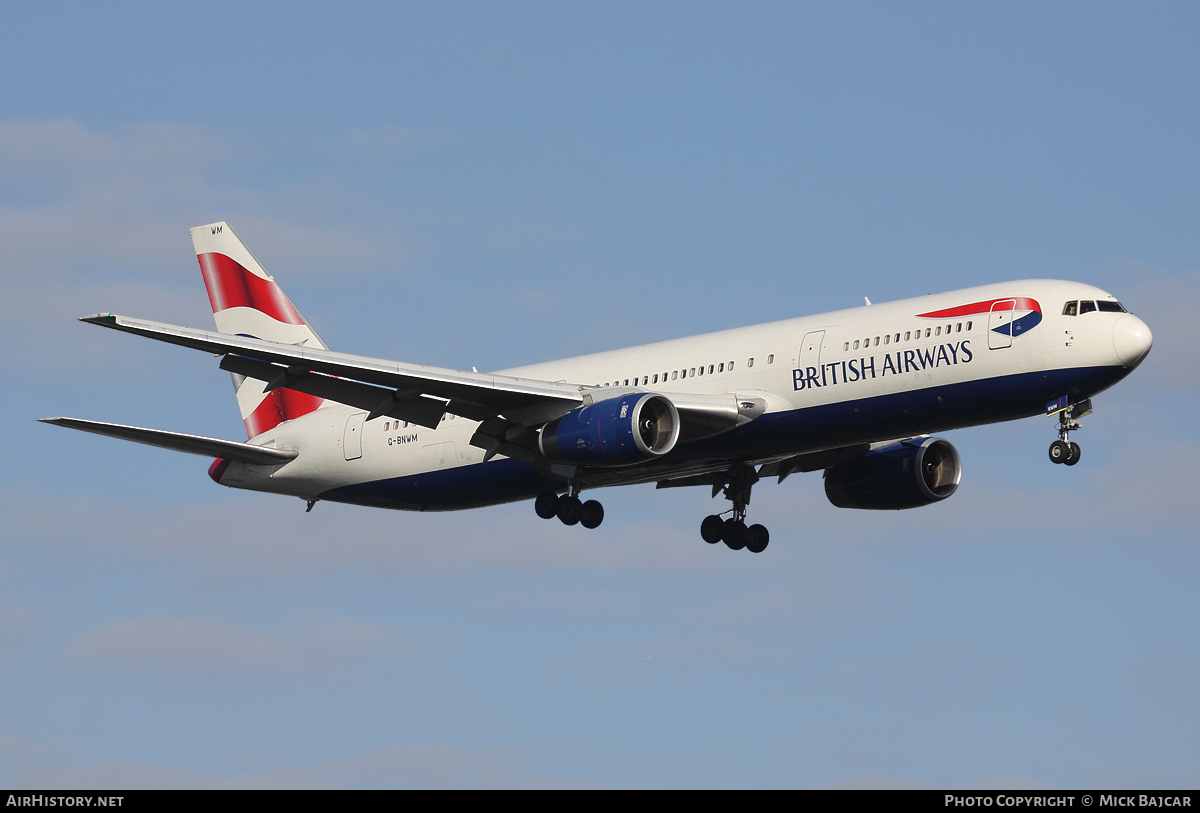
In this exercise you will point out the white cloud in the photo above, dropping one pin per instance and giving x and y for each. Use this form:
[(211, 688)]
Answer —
[(75, 200)]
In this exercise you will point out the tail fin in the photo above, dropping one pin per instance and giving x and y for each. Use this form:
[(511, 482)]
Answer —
[(246, 301)]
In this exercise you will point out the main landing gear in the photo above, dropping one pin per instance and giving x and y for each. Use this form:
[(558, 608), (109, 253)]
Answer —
[(733, 531), (1064, 450), (569, 509)]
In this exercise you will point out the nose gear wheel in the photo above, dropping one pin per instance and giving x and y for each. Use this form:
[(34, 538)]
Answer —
[(1064, 450)]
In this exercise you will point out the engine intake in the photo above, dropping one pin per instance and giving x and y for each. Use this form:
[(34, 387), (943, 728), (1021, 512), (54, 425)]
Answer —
[(907, 474), (616, 432)]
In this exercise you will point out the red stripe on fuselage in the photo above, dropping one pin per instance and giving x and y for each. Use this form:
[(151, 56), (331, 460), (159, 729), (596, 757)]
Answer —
[(278, 406), (231, 285), (1023, 303)]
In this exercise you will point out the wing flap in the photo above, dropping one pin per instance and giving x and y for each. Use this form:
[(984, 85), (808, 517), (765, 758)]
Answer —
[(179, 442), (378, 401)]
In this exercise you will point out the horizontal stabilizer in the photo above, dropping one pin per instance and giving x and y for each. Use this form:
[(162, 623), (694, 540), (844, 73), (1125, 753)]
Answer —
[(179, 442)]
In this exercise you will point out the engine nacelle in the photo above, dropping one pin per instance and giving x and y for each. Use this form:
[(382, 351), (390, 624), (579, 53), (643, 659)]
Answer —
[(908, 474), (617, 432)]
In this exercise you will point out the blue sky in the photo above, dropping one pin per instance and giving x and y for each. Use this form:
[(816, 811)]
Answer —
[(497, 184)]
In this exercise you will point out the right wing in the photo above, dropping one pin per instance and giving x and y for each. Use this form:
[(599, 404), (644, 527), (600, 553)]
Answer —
[(508, 408), (410, 392)]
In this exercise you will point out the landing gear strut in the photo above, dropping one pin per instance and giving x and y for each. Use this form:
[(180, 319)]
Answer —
[(733, 531), (569, 508), (1064, 450)]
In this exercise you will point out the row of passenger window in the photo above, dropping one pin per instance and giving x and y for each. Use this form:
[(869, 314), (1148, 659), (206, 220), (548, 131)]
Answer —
[(1079, 307), (682, 373), (909, 335)]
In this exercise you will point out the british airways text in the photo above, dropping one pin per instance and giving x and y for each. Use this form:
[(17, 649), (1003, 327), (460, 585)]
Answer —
[(902, 361)]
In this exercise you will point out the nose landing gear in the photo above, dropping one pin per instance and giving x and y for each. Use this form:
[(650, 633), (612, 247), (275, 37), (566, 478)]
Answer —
[(1064, 450), (733, 531)]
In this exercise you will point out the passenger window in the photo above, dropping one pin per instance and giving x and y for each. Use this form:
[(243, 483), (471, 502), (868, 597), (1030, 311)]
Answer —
[(692, 373), (968, 327), (721, 367), (646, 380), (656, 378), (710, 369), (701, 369), (674, 374), (958, 328), (1086, 306), (887, 338), (938, 331), (846, 346), (771, 359), (1071, 308), (731, 366), (927, 333), (897, 339), (856, 344), (907, 335), (750, 363)]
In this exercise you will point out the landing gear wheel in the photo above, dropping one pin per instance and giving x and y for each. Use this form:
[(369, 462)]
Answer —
[(546, 505), (570, 510), (1075, 452), (736, 534), (712, 529), (757, 538), (1060, 451), (593, 514)]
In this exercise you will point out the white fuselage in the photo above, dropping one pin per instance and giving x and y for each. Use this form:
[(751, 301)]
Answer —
[(887, 359)]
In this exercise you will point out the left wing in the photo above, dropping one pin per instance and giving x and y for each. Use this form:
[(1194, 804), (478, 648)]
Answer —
[(179, 442)]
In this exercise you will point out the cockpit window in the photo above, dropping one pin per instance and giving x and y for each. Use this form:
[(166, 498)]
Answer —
[(1086, 306), (1071, 308), (1110, 307)]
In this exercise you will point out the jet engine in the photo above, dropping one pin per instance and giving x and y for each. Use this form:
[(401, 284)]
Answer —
[(907, 474), (616, 432)]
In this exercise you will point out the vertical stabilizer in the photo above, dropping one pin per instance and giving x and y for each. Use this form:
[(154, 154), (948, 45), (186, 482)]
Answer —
[(246, 301)]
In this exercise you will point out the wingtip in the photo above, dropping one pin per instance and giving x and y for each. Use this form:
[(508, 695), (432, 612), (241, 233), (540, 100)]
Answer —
[(100, 319)]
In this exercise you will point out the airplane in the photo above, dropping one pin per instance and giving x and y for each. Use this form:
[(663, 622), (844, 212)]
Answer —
[(854, 393)]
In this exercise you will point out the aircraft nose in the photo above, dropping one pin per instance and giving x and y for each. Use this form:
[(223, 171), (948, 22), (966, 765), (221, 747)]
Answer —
[(1131, 339)]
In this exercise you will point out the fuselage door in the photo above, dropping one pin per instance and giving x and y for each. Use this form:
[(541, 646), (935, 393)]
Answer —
[(810, 350), (1000, 324), (352, 439)]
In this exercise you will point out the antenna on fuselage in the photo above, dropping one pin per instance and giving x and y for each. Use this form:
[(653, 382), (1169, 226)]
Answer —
[(866, 300)]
